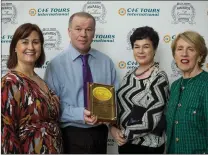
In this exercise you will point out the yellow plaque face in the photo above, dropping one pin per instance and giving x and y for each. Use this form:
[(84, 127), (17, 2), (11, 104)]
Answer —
[(101, 101), (102, 93)]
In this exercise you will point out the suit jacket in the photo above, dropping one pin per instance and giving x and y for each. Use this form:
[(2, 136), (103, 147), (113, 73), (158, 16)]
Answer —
[(187, 116)]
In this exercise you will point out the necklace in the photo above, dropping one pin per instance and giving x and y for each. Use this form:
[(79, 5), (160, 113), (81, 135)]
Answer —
[(184, 82), (24, 73), (146, 70)]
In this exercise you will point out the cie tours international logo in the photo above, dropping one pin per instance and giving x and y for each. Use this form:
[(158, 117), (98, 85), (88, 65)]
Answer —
[(122, 64), (106, 38), (128, 64), (45, 64), (111, 142), (139, 11), (168, 38), (32, 12), (122, 11), (49, 11), (6, 39)]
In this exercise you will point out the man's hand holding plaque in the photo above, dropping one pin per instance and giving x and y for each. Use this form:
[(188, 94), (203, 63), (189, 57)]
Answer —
[(101, 102), (88, 118)]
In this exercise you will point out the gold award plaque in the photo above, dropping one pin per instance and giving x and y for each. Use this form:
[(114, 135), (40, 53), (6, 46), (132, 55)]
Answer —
[(101, 101)]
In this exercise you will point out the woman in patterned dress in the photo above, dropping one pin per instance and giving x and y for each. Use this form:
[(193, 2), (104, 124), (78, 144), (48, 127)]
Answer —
[(29, 109), (141, 99)]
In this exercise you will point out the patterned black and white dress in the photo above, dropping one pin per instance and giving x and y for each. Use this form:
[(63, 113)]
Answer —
[(141, 104)]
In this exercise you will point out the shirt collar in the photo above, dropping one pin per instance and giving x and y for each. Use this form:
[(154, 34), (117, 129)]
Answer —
[(75, 53)]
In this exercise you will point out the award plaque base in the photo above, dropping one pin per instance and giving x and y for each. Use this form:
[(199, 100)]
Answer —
[(101, 101)]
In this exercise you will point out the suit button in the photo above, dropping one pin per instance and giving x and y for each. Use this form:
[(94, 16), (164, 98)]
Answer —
[(177, 139), (179, 105), (176, 122)]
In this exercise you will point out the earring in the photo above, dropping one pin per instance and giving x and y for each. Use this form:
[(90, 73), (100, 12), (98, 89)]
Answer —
[(199, 60), (176, 64)]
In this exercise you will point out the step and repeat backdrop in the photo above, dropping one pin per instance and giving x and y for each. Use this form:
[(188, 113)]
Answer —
[(116, 20)]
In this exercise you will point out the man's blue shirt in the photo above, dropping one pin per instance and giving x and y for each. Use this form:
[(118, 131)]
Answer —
[(64, 76)]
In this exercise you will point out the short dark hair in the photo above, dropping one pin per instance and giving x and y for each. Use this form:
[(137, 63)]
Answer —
[(22, 32), (145, 32)]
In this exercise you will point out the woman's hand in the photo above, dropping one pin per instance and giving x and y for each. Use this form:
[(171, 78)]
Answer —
[(117, 135)]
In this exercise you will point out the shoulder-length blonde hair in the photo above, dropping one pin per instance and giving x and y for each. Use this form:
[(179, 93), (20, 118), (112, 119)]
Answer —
[(194, 38)]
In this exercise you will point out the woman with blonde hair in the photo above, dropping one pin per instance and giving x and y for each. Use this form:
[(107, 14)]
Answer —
[(187, 111)]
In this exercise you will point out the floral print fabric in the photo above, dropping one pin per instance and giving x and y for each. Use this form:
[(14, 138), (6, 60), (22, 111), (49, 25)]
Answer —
[(29, 117)]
